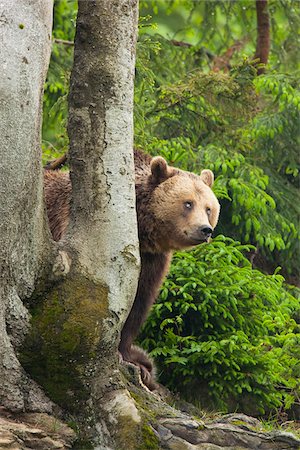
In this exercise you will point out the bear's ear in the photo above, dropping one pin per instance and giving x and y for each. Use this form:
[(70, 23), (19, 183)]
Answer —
[(160, 169), (207, 177)]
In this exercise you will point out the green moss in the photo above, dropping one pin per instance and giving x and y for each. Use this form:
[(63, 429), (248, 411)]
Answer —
[(145, 403), (66, 332), (139, 399), (240, 423), (83, 445), (128, 433), (138, 436), (135, 436), (149, 439)]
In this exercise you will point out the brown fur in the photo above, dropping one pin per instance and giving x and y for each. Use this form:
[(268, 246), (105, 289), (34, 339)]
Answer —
[(165, 224), (57, 188), (146, 365)]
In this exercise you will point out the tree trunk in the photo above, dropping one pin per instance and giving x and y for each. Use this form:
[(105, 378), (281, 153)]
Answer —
[(263, 34), (103, 229), (102, 236), (25, 30), (72, 349)]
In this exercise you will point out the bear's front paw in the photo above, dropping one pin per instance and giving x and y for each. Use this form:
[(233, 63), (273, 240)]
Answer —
[(139, 358), (147, 378)]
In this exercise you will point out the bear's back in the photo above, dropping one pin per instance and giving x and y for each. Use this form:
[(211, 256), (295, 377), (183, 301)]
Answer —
[(57, 189), (142, 166)]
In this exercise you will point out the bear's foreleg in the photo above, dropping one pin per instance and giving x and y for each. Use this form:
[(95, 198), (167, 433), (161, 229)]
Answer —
[(153, 269)]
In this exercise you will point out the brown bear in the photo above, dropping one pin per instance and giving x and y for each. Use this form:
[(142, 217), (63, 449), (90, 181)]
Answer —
[(175, 210)]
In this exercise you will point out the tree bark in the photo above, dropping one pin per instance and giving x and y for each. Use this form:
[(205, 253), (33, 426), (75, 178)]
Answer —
[(103, 228), (263, 34), (102, 236), (77, 323), (25, 35)]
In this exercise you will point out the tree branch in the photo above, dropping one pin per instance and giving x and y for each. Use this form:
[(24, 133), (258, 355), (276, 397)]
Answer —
[(57, 163), (63, 41)]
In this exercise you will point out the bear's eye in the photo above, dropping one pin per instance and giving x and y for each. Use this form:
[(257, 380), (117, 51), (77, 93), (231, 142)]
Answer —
[(188, 205), (208, 211)]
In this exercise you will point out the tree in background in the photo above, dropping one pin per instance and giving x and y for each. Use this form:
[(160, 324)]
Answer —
[(263, 34)]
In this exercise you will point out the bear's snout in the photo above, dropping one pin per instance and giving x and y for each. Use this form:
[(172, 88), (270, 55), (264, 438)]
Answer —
[(205, 232)]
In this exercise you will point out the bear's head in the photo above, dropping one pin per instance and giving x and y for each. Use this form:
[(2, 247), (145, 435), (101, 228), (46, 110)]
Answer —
[(183, 204)]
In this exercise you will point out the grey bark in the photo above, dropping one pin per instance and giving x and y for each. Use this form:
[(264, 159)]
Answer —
[(103, 228), (102, 239), (25, 42), (103, 219)]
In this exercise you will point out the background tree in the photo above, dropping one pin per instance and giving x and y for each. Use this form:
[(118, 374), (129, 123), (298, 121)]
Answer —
[(263, 34)]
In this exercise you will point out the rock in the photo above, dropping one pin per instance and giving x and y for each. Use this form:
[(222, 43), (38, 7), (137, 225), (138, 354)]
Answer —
[(36, 431), (240, 419), (173, 429), (230, 432), (121, 403), (186, 429)]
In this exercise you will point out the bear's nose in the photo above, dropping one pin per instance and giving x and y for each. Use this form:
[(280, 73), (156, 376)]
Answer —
[(205, 231)]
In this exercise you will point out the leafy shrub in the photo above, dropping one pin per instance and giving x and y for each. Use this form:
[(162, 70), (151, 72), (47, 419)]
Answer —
[(221, 325)]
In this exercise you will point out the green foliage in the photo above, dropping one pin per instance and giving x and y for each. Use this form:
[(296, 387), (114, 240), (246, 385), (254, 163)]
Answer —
[(214, 26), (228, 326), (55, 139), (220, 326)]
